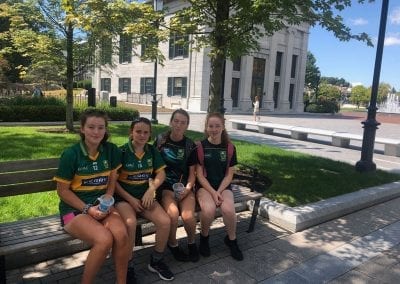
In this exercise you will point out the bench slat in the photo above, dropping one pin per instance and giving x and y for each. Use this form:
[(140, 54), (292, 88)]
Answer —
[(26, 165), (27, 176), (18, 189)]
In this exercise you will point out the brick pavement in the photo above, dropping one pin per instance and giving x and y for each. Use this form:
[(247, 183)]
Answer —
[(362, 247)]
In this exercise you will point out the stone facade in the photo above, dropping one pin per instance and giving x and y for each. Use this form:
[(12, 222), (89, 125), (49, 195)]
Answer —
[(276, 73)]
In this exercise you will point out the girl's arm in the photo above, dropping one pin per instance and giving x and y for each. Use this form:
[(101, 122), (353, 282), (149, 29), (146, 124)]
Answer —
[(227, 180), (150, 194), (207, 186), (134, 202), (112, 180), (69, 197)]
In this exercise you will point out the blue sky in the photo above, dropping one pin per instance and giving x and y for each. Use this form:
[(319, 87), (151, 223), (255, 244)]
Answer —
[(354, 61)]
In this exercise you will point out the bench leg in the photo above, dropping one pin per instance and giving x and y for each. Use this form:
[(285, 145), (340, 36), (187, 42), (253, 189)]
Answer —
[(138, 237), (2, 269), (254, 215)]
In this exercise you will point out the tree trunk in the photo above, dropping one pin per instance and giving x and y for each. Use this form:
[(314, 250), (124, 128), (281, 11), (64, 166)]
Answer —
[(69, 119), (219, 35)]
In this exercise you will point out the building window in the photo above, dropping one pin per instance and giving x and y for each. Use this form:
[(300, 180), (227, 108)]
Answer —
[(147, 85), (178, 46), (148, 43), (278, 63), (276, 94), (236, 64), (177, 86), (235, 92), (291, 93), (125, 49), (124, 85), (105, 84), (106, 52), (294, 65)]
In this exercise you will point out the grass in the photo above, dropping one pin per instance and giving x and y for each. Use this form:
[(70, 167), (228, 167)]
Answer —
[(297, 178)]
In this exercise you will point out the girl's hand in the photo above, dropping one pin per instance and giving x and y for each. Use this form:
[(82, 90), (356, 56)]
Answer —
[(96, 214), (136, 204), (184, 193), (218, 198), (148, 198)]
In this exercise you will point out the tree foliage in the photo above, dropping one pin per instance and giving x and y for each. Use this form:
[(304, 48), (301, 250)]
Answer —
[(329, 92), (340, 82), (232, 28), (55, 34), (313, 75), (360, 96)]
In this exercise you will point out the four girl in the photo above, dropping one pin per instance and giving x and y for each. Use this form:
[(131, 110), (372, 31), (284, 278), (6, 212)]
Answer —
[(135, 174)]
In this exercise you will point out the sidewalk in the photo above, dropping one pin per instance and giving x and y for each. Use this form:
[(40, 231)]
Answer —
[(361, 247)]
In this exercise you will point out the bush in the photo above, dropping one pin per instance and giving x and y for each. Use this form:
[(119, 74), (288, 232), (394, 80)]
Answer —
[(29, 101), (323, 107), (53, 109)]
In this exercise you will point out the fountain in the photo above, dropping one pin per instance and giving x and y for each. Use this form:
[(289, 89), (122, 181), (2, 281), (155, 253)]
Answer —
[(391, 105)]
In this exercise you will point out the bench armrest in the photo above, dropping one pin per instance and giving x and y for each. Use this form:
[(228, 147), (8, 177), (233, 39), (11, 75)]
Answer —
[(253, 172)]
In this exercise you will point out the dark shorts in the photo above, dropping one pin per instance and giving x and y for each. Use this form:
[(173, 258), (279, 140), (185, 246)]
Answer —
[(65, 219), (197, 186)]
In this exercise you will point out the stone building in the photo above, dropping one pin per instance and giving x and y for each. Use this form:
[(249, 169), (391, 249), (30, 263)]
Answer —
[(275, 73)]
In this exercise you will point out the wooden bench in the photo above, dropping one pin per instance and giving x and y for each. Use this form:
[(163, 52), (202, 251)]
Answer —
[(339, 139), (31, 176)]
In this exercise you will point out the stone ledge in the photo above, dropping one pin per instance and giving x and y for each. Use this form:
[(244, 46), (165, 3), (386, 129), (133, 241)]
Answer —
[(296, 219)]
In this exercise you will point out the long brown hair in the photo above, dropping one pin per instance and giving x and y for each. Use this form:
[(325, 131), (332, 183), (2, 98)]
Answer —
[(224, 135)]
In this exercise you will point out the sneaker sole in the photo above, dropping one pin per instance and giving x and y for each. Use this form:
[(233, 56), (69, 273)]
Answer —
[(159, 275)]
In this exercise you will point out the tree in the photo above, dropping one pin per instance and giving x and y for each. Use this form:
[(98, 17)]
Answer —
[(359, 95), (313, 74), (329, 92), (48, 32), (340, 82), (231, 28)]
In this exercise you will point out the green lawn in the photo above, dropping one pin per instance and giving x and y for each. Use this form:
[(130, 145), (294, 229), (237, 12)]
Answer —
[(297, 178)]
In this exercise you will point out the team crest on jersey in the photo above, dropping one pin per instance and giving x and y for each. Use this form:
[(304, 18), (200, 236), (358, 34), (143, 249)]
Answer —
[(223, 156), (150, 162), (95, 166), (180, 154), (105, 164)]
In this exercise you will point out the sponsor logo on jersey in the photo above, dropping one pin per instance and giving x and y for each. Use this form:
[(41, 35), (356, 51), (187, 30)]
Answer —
[(95, 181)]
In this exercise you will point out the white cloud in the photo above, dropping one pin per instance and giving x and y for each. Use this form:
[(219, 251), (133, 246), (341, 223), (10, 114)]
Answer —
[(394, 16), (392, 40), (358, 22), (356, 84)]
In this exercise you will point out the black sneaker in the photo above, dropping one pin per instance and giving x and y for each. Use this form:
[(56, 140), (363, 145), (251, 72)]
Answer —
[(204, 247), (161, 269), (178, 254), (193, 252), (235, 251), (130, 275)]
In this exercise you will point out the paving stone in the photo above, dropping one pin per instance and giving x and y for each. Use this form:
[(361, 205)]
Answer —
[(354, 277)]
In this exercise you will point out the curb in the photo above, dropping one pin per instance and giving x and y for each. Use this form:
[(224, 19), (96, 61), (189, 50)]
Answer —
[(295, 219)]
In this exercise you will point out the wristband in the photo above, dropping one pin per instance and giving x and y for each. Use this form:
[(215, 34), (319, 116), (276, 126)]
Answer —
[(86, 208)]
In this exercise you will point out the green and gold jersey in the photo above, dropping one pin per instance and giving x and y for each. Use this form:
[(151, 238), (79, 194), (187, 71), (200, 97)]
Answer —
[(87, 176), (136, 170)]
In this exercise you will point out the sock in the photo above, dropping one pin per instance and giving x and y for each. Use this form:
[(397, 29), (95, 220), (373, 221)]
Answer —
[(156, 256)]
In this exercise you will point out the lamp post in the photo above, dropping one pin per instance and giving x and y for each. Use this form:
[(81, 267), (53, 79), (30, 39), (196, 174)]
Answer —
[(158, 5), (370, 125)]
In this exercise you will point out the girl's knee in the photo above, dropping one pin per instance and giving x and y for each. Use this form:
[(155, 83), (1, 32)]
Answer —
[(104, 239), (187, 215)]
